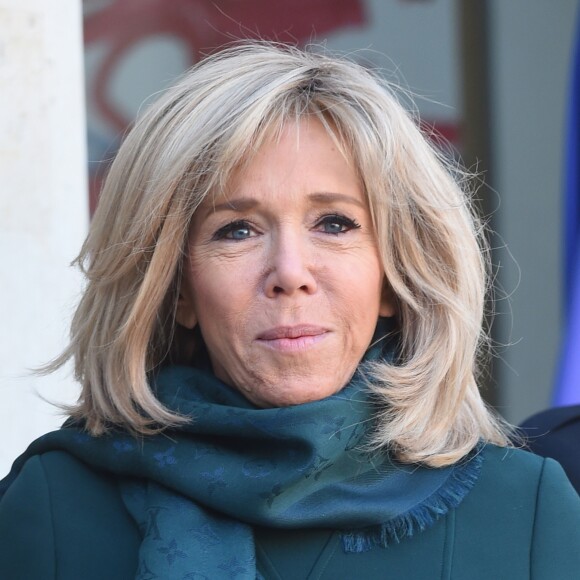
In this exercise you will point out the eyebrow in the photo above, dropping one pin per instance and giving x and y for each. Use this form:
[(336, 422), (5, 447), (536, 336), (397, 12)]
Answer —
[(241, 204)]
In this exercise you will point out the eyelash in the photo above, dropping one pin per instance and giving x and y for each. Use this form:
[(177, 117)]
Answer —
[(225, 232), (342, 220)]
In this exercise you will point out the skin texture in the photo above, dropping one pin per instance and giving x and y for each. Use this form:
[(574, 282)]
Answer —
[(283, 274)]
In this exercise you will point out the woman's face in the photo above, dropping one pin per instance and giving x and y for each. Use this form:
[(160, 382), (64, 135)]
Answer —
[(283, 273)]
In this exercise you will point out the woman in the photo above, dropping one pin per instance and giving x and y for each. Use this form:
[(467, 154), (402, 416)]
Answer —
[(276, 347)]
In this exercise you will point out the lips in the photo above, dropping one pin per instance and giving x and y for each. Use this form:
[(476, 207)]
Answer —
[(293, 340), (292, 332)]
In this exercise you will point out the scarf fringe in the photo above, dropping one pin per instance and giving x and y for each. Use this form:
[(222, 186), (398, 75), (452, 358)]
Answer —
[(422, 516)]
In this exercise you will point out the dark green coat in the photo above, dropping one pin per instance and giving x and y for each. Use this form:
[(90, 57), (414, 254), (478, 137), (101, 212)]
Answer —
[(62, 520)]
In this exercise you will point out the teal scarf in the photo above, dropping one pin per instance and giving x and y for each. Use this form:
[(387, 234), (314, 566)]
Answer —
[(195, 492)]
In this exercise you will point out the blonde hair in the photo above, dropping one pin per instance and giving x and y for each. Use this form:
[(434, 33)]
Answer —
[(185, 147)]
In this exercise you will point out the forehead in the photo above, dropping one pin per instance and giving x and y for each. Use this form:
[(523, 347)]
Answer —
[(303, 152)]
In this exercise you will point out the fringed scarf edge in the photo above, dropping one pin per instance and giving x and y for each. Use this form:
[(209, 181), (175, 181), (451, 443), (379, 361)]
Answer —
[(422, 516)]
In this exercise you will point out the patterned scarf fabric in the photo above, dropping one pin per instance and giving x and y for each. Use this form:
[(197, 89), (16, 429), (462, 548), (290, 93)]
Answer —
[(196, 491)]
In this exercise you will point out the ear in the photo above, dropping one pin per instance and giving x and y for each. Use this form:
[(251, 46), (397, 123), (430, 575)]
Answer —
[(185, 314), (387, 307)]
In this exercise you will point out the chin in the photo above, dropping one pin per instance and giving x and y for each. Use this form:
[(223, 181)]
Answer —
[(291, 397)]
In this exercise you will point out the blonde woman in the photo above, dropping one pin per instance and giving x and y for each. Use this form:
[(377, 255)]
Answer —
[(276, 348)]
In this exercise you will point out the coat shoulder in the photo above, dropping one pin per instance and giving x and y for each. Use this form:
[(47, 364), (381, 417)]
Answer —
[(514, 479), (509, 463), (521, 504), (48, 506)]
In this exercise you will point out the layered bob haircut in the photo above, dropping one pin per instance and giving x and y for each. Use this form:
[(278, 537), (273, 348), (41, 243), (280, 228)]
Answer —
[(185, 148)]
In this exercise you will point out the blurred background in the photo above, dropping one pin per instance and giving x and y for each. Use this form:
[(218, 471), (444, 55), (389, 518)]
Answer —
[(492, 78)]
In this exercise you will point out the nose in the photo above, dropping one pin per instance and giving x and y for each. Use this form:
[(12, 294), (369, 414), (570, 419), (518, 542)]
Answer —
[(290, 267)]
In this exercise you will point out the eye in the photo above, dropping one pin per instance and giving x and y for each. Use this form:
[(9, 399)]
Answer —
[(238, 230), (336, 224)]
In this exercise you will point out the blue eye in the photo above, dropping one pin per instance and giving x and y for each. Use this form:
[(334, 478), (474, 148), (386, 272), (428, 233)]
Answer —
[(239, 233), (332, 227), (337, 224), (238, 230)]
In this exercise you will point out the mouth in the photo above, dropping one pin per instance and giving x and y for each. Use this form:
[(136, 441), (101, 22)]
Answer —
[(292, 338)]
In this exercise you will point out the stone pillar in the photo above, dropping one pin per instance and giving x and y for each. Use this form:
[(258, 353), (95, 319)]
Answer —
[(43, 209)]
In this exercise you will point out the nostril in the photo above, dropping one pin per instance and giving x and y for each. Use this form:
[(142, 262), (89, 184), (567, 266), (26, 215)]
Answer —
[(280, 290)]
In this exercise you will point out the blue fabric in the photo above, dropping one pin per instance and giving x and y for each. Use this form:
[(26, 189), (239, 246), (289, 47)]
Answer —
[(196, 491), (568, 384)]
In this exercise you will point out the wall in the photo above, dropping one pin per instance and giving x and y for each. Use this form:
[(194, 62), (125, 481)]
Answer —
[(531, 44)]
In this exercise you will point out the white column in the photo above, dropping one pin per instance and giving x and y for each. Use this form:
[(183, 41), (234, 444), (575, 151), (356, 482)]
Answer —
[(43, 208)]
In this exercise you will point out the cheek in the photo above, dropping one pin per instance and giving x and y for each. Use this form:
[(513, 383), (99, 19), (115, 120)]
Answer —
[(211, 297), (357, 297), (222, 293), (366, 280)]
